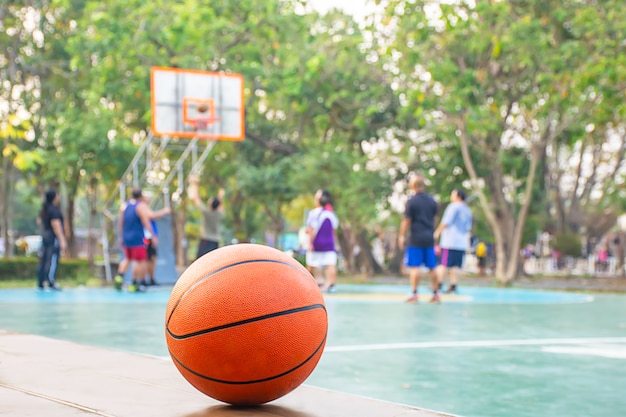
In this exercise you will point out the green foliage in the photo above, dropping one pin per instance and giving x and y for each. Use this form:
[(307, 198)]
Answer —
[(331, 103), (568, 244), (25, 268), (14, 131), (27, 206), (505, 80)]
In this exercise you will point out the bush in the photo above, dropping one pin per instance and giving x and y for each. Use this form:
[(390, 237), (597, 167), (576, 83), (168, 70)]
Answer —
[(25, 268), (300, 257), (568, 244)]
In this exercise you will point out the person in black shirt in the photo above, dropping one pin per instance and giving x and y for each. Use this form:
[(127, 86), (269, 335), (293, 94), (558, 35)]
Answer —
[(419, 222), (53, 240)]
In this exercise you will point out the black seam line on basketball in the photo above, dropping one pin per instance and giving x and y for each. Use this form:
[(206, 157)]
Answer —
[(204, 278), (246, 321), (256, 381)]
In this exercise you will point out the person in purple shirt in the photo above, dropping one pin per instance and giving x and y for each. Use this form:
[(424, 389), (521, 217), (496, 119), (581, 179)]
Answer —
[(321, 226)]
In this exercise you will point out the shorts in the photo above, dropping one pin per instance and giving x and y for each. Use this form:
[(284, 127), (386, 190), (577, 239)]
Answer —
[(415, 257), (321, 259), (136, 253), (452, 258), (152, 251), (206, 246)]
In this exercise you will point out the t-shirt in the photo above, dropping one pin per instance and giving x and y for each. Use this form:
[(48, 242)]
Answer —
[(132, 233), (458, 221), (421, 210), (481, 250), (52, 213), (323, 222), (210, 227)]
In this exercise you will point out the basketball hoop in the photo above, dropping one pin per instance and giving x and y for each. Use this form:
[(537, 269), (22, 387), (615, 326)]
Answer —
[(197, 104)]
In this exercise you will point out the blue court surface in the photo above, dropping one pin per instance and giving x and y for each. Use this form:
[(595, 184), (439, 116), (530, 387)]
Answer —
[(484, 352)]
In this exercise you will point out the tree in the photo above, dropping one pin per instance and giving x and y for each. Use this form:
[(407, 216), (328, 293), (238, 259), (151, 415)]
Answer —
[(19, 42), (13, 131), (484, 97), (496, 81)]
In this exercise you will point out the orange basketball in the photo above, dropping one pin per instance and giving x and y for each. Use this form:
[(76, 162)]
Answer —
[(246, 324)]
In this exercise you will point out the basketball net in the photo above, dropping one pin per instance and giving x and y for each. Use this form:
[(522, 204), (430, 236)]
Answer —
[(200, 125)]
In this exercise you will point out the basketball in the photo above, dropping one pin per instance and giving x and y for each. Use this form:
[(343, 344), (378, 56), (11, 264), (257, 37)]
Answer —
[(202, 108), (246, 324)]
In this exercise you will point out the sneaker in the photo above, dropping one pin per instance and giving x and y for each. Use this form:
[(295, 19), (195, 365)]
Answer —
[(411, 299), (451, 289), (332, 289), (54, 287), (436, 299), (152, 282), (136, 288), (117, 282)]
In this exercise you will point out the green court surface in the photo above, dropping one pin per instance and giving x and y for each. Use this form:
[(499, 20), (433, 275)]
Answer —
[(481, 353)]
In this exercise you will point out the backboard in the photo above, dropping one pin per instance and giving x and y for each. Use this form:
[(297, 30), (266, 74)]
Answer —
[(197, 104)]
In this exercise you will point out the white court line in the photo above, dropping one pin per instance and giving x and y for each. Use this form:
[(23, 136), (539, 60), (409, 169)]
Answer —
[(474, 343), (603, 351)]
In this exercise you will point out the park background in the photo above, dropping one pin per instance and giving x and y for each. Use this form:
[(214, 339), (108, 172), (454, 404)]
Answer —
[(518, 102)]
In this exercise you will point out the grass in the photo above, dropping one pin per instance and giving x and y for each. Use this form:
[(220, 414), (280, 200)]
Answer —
[(66, 283), (537, 282)]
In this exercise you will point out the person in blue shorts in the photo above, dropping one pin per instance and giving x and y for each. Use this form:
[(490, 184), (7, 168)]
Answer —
[(454, 231), (419, 222)]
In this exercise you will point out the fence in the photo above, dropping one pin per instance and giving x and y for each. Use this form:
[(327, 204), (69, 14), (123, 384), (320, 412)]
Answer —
[(565, 266)]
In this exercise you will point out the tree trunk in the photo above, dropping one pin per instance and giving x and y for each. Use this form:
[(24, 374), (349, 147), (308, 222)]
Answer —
[(500, 215), (5, 224), (511, 229), (179, 218), (277, 222), (7, 166), (92, 198), (343, 236), (371, 266), (621, 236), (236, 205), (69, 226), (559, 205), (503, 233), (395, 263)]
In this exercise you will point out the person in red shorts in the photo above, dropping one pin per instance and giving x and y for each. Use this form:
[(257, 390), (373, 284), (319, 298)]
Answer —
[(134, 218)]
